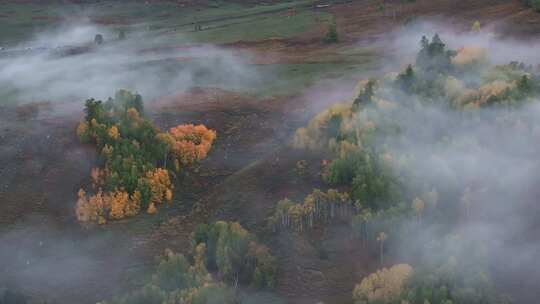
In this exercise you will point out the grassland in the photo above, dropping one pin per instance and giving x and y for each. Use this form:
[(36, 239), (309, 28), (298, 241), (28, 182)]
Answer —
[(220, 21), (169, 25)]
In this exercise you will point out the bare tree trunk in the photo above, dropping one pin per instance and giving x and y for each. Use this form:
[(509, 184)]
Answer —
[(165, 157), (382, 248)]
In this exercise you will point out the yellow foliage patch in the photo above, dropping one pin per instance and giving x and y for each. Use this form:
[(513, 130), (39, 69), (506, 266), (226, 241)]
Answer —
[(113, 133), (480, 96), (470, 56), (384, 285)]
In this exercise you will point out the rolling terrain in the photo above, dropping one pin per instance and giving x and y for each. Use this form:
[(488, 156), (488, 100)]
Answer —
[(251, 165)]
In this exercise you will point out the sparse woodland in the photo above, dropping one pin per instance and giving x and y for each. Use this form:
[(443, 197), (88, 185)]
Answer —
[(381, 198), (386, 203)]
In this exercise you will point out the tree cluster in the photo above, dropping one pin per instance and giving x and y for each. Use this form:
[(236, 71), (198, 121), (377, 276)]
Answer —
[(134, 175), (449, 273), (318, 207), (433, 55), (372, 181), (224, 247), (177, 280), (383, 286), (465, 78), (236, 254)]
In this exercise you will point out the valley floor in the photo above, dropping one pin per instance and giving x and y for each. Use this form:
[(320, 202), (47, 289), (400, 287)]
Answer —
[(250, 168)]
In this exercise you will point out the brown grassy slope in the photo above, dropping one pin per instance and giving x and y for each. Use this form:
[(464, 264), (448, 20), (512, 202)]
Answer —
[(363, 19)]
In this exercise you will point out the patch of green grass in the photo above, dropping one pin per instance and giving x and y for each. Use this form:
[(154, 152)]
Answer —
[(222, 21), (287, 79), (169, 24), (249, 28)]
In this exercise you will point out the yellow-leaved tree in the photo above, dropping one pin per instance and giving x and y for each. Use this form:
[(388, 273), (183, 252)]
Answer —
[(385, 285)]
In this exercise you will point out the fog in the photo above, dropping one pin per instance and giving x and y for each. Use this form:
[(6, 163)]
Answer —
[(489, 155), (46, 254), (47, 261), (47, 74), (405, 41)]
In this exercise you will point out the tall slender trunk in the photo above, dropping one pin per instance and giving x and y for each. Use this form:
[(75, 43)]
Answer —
[(382, 249)]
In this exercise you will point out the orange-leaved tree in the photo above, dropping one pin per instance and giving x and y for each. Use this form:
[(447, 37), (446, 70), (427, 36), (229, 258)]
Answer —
[(191, 143)]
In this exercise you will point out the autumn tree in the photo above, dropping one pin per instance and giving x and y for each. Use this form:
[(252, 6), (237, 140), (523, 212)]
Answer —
[(418, 206), (191, 143), (383, 286), (317, 207), (381, 238), (476, 26), (157, 186)]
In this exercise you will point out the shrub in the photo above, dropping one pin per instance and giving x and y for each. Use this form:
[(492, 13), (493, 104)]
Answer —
[(98, 39), (331, 34)]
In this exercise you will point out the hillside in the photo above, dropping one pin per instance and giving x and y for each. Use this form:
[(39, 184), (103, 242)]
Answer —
[(256, 73)]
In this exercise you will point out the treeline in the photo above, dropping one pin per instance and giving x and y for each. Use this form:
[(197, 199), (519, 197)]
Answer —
[(224, 247), (135, 156), (317, 207)]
